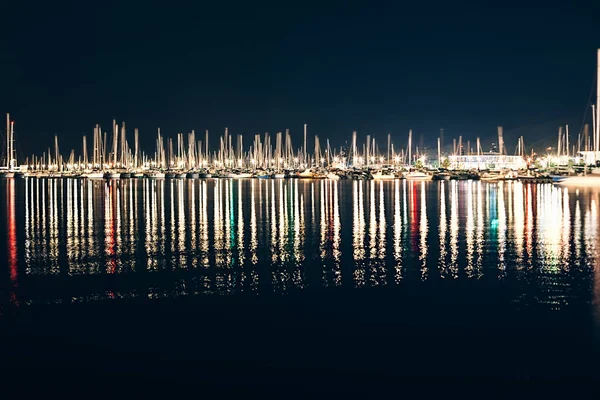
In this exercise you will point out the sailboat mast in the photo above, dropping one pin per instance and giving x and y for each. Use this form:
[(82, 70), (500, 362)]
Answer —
[(304, 148), (8, 152), (597, 134), (410, 147)]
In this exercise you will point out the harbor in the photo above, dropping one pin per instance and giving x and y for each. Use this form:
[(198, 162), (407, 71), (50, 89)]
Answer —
[(274, 157), (328, 199), (111, 154)]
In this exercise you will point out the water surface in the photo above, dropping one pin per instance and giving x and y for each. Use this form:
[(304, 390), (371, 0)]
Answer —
[(349, 285), (73, 240)]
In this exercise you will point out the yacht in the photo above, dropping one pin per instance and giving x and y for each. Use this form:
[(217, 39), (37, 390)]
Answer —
[(418, 176), (384, 175)]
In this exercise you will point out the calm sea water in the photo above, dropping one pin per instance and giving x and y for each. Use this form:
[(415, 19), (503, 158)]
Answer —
[(80, 241), (253, 283)]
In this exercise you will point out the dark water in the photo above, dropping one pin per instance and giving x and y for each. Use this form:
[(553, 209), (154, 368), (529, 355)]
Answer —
[(250, 283)]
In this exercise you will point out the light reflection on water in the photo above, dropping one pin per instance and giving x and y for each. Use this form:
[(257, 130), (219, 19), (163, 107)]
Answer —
[(165, 238)]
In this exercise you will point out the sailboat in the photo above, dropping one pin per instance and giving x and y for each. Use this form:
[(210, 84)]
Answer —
[(418, 176), (592, 179), (384, 174), (11, 169)]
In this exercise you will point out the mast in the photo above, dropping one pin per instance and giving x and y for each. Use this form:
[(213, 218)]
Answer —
[(85, 155), (123, 146), (597, 134), (136, 139), (567, 139), (388, 148), (206, 145), (500, 140), (13, 155), (115, 137), (409, 147), (558, 148), (8, 152), (354, 159), (304, 148)]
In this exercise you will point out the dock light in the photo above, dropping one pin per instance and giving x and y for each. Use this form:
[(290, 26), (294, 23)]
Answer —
[(381, 159), (295, 159), (336, 159)]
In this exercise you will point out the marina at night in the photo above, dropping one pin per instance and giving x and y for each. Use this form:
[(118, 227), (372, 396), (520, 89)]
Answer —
[(311, 200)]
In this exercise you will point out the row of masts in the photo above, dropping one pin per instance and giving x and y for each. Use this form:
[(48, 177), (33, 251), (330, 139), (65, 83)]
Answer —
[(265, 152)]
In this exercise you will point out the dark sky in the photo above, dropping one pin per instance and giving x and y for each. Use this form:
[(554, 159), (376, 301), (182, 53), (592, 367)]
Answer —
[(265, 67)]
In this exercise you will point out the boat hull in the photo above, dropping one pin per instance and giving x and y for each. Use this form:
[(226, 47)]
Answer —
[(94, 175), (580, 181)]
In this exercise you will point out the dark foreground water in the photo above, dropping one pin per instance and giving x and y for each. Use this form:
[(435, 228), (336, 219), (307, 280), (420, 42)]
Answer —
[(295, 287)]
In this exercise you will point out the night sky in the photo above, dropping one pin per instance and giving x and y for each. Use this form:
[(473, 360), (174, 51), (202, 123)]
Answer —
[(337, 66)]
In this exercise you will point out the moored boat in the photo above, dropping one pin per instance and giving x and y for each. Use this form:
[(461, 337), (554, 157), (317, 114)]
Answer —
[(155, 174), (93, 175), (112, 175), (384, 175), (581, 181), (418, 176)]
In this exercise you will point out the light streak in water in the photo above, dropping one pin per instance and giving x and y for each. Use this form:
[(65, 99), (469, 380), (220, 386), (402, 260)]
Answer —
[(382, 237), (218, 218), (253, 226), (479, 241), (566, 231), (11, 243), (204, 224), (529, 228), (423, 231), (501, 231), (454, 228), (337, 228), (240, 227), (191, 189), (323, 234), (54, 232), (358, 230), (182, 226), (577, 226), (518, 223), (470, 231), (443, 231), (110, 246), (372, 256), (397, 234)]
